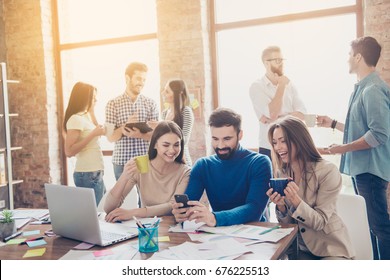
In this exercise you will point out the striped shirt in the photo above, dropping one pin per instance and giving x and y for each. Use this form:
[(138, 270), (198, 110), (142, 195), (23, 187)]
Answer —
[(188, 122), (118, 111)]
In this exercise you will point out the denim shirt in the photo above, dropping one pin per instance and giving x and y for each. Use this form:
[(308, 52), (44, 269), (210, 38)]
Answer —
[(369, 117)]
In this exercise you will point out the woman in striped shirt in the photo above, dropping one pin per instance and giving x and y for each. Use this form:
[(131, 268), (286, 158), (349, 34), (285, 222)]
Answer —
[(175, 96)]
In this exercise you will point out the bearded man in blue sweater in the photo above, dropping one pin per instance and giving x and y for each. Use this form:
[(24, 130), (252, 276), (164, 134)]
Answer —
[(235, 179)]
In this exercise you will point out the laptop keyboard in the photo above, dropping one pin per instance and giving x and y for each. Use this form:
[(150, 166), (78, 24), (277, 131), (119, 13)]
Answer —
[(106, 235)]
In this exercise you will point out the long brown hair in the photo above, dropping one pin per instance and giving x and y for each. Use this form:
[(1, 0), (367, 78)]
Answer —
[(295, 133), (180, 99), (80, 100)]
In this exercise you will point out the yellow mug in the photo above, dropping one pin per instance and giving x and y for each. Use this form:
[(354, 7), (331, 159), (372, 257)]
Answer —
[(142, 163)]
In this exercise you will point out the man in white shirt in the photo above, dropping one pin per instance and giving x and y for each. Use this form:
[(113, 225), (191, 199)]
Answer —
[(273, 96)]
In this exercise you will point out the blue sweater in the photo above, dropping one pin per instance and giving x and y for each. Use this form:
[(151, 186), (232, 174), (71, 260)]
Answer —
[(236, 188)]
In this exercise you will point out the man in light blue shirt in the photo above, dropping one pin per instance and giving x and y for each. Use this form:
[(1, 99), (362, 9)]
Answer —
[(366, 144)]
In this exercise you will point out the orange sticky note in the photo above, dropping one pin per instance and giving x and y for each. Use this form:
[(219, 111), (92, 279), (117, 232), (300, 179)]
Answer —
[(34, 253)]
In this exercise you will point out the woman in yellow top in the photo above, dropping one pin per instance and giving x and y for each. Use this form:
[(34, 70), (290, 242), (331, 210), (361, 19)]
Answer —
[(167, 175), (310, 199), (82, 133)]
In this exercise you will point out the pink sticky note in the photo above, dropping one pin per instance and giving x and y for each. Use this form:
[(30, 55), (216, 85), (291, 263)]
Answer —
[(102, 253)]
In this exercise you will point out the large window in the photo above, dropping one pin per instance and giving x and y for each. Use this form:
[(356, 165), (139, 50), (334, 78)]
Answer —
[(97, 40), (314, 37)]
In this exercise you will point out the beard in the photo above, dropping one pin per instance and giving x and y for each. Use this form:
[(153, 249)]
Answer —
[(277, 70), (227, 155)]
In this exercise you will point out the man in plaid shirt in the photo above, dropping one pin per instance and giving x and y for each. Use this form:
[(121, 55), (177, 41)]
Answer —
[(131, 106)]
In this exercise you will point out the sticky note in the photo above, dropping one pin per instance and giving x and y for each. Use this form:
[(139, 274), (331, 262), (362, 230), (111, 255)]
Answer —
[(103, 253), (195, 104), (163, 239), (83, 246), (31, 232), (36, 243), (34, 253), (16, 241)]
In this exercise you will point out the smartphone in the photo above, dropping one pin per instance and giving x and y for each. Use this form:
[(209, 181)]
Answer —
[(182, 198), (142, 126)]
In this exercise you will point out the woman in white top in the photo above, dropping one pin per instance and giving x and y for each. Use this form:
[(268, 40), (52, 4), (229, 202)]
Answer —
[(82, 139), (167, 176), (175, 94)]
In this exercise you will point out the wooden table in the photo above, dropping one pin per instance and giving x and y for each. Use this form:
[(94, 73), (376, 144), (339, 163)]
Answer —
[(58, 246)]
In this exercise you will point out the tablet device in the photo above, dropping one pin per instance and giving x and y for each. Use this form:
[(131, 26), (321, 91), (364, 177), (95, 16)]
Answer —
[(142, 126)]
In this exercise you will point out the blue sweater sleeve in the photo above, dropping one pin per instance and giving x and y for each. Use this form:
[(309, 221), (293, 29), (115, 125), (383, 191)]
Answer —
[(259, 174), (195, 186)]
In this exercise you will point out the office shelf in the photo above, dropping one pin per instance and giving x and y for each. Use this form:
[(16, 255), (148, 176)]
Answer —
[(7, 181)]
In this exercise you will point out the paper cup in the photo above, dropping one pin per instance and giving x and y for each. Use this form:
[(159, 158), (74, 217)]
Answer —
[(109, 129), (142, 163), (310, 120)]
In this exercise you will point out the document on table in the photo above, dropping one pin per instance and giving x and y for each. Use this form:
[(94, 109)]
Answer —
[(28, 213), (250, 232), (218, 250), (122, 252)]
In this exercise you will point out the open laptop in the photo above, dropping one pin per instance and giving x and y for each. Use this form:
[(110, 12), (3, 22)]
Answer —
[(74, 215)]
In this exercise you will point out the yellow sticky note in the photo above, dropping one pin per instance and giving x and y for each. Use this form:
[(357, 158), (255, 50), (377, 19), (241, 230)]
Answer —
[(195, 104), (34, 253), (163, 239), (16, 241)]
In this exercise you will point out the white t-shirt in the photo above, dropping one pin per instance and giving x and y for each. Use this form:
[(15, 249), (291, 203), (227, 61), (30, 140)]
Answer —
[(262, 91), (90, 158)]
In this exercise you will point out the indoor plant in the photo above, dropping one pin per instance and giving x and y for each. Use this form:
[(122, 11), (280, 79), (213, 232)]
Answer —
[(7, 224)]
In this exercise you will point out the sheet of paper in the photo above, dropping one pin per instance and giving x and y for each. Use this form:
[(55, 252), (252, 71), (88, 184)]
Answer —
[(34, 253), (83, 246), (19, 223), (250, 232), (221, 249), (191, 226), (28, 213), (122, 252)]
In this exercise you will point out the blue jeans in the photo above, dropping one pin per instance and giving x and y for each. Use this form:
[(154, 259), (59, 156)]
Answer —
[(118, 170), (373, 189), (92, 180)]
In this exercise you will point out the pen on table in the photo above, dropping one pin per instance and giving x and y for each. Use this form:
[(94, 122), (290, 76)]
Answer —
[(32, 239), (12, 236), (269, 230)]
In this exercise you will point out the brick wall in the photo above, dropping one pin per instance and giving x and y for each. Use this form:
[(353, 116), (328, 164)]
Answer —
[(30, 59), (377, 25), (184, 53)]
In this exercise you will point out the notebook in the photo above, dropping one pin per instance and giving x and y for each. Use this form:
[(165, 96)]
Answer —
[(74, 215)]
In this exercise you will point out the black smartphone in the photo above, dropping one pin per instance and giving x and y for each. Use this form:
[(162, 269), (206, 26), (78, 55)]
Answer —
[(142, 126), (182, 198)]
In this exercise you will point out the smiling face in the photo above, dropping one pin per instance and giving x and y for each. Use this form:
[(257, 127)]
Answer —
[(280, 147), (136, 82), (225, 141), (167, 94), (168, 147)]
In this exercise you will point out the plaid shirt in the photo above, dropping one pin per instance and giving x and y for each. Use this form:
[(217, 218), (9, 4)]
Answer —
[(118, 111)]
